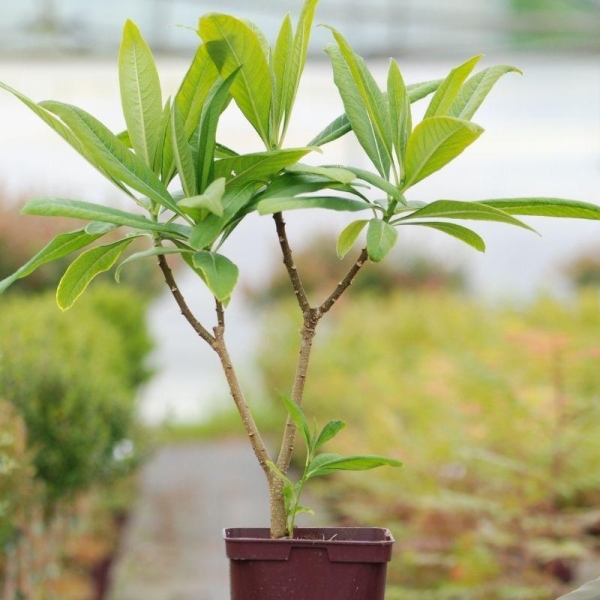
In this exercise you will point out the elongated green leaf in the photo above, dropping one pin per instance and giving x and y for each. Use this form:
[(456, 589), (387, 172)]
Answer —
[(418, 91), (379, 182), (400, 115), (299, 418), (349, 236), (292, 184), (77, 209), (182, 154), (84, 268), (458, 231), (262, 38), (140, 93), (341, 126), (219, 273), (298, 60), (545, 207), (364, 103), (434, 143), (475, 90), (160, 158), (325, 464), (224, 152), (381, 238), (338, 174), (328, 433), (261, 166), (111, 154), (444, 97), (155, 251), (62, 245), (205, 233), (190, 99), (66, 134), (336, 129), (233, 45), (207, 131), (274, 205), (457, 209), (281, 72)]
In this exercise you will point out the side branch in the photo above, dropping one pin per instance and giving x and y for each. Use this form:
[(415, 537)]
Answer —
[(238, 397), (185, 309), (288, 261), (343, 285)]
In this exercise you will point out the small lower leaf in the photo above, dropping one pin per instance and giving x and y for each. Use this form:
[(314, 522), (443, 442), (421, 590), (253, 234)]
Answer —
[(381, 238), (299, 419), (220, 274), (84, 268), (349, 236), (325, 464)]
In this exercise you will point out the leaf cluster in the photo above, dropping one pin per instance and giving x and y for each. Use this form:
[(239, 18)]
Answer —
[(176, 137), (318, 464)]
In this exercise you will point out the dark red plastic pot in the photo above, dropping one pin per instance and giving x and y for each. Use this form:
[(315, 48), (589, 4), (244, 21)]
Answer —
[(348, 563)]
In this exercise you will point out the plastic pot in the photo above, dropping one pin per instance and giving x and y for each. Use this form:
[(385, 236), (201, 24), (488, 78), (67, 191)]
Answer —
[(340, 563)]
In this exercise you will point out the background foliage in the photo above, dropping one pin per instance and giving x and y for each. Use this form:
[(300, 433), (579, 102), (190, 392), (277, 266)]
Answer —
[(495, 413)]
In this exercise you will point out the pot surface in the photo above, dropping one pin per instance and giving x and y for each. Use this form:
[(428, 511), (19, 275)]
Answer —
[(318, 564)]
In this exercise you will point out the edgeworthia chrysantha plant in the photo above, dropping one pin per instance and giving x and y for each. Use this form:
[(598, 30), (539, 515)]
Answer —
[(176, 139)]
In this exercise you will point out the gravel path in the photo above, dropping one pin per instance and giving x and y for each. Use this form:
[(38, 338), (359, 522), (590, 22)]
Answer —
[(173, 548)]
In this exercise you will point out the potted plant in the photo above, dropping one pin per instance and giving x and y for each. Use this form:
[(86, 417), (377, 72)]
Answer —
[(219, 188)]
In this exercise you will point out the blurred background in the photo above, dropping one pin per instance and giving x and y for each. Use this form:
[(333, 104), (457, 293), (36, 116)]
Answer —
[(487, 385)]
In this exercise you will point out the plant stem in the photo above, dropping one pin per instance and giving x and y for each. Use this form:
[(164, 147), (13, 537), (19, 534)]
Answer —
[(288, 261), (217, 343), (311, 317)]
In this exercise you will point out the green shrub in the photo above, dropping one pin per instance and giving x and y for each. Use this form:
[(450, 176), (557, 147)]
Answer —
[(495, 413), (71, 379)]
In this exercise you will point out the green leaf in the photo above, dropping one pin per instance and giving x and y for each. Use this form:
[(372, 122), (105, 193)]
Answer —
[(206, 139), (66, 134), (444, 97), (111, 154), (418, 91), (349, 236), (140, 93), (299, 418), (457, 209), (84, 268), (328, 433), (338, 174), (434, 143), (336, 129), (341, 126), (304, 509), (282, 73), (325, 464), (155, 251), (182, 153), (379, 182), (210, 200), (298, 59), (381, 238), (400, 115), (545, 207), (278, 204), (190, 99), (364, 103), (233, 45), (62, 245), (458, 231), (77, 209), (475, 90), (205, 233), (260, 166), (220, 274), (161, 158)]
